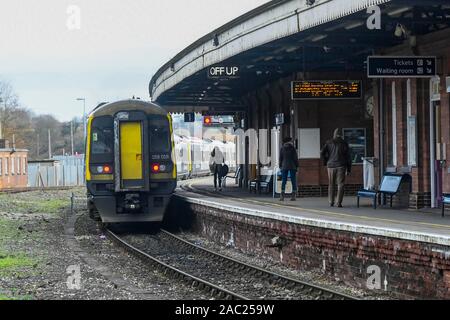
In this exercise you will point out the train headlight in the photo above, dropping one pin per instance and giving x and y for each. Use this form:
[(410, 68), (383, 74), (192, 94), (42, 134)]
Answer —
[(162, 168), (106, 169), (156, 168)]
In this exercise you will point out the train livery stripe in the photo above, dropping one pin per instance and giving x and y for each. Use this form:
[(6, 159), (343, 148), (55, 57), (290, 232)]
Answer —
[(131, 150), (172, 140), (88, 149)]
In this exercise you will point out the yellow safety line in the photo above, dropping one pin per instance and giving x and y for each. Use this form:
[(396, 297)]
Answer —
[(335, 213)]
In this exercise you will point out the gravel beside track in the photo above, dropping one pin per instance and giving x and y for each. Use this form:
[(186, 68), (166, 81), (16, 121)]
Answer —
[(42, 239)]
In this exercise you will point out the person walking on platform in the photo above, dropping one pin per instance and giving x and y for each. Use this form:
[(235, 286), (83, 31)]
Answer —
[(216, 161), (336, 155), (289, 166)]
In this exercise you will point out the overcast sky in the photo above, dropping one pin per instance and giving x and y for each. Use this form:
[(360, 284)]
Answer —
[(118, 47)]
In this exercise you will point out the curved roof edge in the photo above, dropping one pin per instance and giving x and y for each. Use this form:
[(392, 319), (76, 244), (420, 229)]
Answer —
[(293, 17), (250, 14)]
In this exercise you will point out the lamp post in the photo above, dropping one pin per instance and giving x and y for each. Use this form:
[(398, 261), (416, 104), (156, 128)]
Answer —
[(84, 119)]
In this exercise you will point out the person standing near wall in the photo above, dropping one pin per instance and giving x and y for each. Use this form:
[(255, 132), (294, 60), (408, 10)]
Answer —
[(336, 155), (289, 166)]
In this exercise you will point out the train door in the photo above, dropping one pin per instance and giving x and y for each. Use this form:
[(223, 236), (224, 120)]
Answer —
[(130, 137)]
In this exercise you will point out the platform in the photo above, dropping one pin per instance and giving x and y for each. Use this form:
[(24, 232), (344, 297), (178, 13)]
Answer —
[(425, 225)]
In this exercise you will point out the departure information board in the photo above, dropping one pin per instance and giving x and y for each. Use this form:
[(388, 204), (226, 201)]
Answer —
[(333, 89)]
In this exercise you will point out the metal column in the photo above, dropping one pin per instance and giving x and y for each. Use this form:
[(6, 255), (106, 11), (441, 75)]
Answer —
[(432, 151)]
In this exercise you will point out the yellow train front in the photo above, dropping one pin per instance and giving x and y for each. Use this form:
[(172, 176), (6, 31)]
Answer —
[(130, 168)]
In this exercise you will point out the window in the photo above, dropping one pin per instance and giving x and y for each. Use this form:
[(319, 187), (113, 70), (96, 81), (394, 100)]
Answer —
[(394, 125), (357, 141), (102, 140), (24, 170), (12, 166), (102, 136), (1, 166), (6, 166), (159, 134)]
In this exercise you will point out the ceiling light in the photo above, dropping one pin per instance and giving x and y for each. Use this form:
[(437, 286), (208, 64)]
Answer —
[(398, 11), (291, 49), (354, 25), (319, 37), (400, 31)]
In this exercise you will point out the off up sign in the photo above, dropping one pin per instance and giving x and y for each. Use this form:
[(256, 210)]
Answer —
[(226, 72)]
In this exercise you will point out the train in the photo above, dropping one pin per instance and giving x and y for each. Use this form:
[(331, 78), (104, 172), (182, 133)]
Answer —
[(193, 155), (133, 160)]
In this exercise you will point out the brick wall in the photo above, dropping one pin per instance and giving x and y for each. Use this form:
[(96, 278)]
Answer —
[(435, 44), (306, 191), (9, 179), (412, 269)]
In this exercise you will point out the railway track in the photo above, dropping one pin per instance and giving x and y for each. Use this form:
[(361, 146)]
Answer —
[(223, 277)]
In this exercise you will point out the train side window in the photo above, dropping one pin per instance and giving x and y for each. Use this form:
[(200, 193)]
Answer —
[(159, 134), (102, 135)]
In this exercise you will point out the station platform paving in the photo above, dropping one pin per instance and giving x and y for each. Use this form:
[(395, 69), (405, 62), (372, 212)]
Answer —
[(426, 225)]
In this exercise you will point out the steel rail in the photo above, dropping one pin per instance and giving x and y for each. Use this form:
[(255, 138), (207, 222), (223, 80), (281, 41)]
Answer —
[(196, 282), (31, 189), (318, 291)]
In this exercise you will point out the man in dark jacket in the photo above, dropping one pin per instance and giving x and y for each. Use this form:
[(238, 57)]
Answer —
[(288, 165), (336, 155)]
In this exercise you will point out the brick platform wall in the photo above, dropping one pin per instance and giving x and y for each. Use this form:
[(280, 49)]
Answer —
[(420, 200), (412, 269), (305, 191)]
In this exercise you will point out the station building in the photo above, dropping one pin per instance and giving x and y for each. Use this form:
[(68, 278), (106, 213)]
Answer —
[(399, 119), (13, 167)]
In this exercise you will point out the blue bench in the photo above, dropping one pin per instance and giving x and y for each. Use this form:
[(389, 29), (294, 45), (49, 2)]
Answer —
[(263, 183), (445, 200), (390, 186), (368, 194)]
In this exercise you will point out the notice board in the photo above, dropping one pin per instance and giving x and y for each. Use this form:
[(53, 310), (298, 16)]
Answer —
[(309, 141)]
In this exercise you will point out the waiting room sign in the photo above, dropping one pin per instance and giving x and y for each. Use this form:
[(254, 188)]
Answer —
[(401, 67)]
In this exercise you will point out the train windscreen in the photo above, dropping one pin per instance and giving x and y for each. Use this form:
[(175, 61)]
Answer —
[(159, 134), (102, 139)]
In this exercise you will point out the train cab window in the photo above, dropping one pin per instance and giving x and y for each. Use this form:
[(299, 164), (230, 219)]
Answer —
[(102, 136), (159, 134)]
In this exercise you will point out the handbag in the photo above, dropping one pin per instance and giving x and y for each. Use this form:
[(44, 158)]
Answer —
[(224, 170)]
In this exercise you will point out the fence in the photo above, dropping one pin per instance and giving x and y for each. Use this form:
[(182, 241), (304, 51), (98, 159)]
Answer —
[(65, 171)]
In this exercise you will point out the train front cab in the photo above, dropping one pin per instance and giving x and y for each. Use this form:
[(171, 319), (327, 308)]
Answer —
[(131, 175)]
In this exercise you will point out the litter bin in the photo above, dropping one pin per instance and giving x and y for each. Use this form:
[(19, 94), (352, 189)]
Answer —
[(369, 173)]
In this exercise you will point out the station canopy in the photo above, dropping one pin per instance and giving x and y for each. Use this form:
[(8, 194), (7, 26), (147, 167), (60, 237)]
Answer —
[(281, 38)]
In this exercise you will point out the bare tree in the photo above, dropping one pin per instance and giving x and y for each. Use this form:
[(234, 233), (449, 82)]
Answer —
[(28, 128)]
